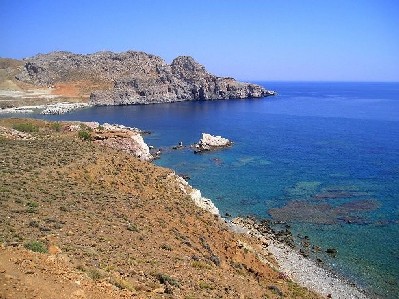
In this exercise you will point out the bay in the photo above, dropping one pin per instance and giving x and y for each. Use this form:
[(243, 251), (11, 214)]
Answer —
[(320, 156)]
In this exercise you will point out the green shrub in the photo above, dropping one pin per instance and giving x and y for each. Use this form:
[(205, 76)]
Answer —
[(84, 135), (56, 126), (95, 274), (36, 246), (32, 206), (25, 127)]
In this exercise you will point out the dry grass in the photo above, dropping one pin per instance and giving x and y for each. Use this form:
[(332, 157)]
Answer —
[(111, 213)]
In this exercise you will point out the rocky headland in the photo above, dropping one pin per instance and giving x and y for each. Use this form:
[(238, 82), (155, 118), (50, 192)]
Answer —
[(107, 78)]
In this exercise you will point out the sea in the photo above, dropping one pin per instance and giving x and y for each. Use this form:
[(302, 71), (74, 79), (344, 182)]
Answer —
[(322, 158)]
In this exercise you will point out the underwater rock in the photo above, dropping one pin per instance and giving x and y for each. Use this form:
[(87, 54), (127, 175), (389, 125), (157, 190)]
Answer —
[(323, 213)]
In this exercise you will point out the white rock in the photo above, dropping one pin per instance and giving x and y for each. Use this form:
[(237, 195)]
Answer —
[(213, 141)]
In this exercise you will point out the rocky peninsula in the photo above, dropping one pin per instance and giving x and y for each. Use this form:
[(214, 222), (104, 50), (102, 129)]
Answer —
[(132, 78)]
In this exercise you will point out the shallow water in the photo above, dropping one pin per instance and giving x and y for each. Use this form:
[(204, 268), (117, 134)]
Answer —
[(322, 156)]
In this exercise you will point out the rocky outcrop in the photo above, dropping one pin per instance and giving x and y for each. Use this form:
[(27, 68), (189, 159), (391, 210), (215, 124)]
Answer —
[(209, 142), (135, 78), (195, 194), (119, 137)]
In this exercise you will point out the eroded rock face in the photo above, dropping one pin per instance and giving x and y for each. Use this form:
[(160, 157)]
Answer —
[(136, 78), (119, 137)]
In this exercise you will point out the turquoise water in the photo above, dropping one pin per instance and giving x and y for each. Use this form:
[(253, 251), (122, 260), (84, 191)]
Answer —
[(322, 157)]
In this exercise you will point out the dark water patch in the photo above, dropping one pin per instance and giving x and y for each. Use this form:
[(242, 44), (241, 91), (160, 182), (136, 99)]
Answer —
[(359, 206), (324, 213), (336, 194)]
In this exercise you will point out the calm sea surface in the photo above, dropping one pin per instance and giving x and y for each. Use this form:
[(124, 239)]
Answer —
[(323, 157)]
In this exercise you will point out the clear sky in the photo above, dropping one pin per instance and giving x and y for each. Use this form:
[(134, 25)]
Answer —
[(336, 40)]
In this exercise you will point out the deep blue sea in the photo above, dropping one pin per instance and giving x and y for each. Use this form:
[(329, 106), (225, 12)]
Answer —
[(323, 157)]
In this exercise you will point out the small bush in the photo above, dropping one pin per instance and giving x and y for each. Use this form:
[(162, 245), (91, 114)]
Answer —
[(166, 247), (56, 126), (25, 127), (32, 206), (204, 285), (95, 274), (84, 135), (36, 246), (163, 278), (200, 265), (133, 228)]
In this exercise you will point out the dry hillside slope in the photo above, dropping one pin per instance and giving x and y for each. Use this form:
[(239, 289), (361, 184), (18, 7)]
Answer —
[(78, 220)]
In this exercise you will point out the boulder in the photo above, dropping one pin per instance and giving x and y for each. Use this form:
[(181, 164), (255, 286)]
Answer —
[(209, 142)]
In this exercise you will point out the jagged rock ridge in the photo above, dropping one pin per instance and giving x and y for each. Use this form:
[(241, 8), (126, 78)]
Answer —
[(135, 78)]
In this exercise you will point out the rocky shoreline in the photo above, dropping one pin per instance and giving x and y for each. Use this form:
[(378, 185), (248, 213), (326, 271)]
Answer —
[(291, 265), (57, 108), (297, 267)]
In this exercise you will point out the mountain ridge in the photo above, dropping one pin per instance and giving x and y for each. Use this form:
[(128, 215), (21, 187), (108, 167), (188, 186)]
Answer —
[(133, 77)]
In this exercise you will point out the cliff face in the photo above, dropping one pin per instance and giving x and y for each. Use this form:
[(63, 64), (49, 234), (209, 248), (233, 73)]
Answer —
[(135, 78)]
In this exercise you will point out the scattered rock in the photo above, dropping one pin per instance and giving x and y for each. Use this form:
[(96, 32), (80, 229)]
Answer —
[(332, 251)]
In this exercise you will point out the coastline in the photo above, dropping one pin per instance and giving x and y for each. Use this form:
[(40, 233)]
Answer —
[(72, 180), (56, 108), (302, 270), (293, 265)]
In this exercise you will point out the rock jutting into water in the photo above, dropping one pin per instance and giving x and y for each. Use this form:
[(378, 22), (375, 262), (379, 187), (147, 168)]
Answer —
[(209, 142), (119, 137), (134, 78)]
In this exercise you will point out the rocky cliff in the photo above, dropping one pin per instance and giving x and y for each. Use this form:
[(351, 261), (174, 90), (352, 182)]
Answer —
[(134, 78)]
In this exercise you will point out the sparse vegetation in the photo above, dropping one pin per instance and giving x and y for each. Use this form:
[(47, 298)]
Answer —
[(122, 283), (118, 226), (132, 228), (200, 265), (166, 247), (163, 278), (95, 274), (205, 285), (36, 246), (25, 127), (32, 206), (56, 126), (84, 134)]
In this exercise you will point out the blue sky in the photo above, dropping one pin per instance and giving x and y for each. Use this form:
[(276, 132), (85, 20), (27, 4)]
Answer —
[(319, 40)]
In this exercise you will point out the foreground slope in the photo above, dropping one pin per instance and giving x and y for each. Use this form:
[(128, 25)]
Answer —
[(112, 226)]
